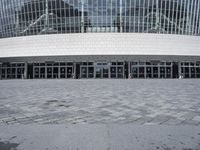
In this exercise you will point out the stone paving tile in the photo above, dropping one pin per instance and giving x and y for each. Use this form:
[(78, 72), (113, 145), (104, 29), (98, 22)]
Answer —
[(173, 122), (100, 101), (191, 122), (196, 118)]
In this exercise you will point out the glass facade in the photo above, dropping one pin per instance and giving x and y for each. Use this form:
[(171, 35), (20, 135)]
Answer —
[(35, 17), (101, 70)]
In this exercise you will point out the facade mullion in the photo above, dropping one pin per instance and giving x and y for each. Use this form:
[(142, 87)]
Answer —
[(31, 20), (28, 21), (74, 18), (65, 18), (111, 15), (7, 22), (106, 24), (165, 15), (180, 17), (69, 17), (152, 15), (143, 17), (94, 18), (160, 16), (176, 19), (191, 10), (187, 18), (169, 14), (97, 18), (184, 18), (139, 15), (39, 13), (13, 22), (102, 16), (130, 15), (197, 18), (147, 17), (157, 17), (125, 17), (134, 23), (173, 22), (61, 17), (56, 17), (194, 17), (2, 21), (36, 26)]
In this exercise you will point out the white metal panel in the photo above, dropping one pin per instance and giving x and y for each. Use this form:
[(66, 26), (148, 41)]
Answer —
[(100, 44)]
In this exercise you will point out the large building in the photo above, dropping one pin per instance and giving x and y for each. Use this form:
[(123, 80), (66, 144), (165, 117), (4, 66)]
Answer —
[(99, 39)]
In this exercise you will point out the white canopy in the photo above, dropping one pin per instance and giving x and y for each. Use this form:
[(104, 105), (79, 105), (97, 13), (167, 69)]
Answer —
[(100, 44)]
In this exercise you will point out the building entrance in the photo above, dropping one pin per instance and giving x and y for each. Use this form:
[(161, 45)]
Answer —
[(87, 70), (154, 69), (12, 71), (52, 70), (102, 70)]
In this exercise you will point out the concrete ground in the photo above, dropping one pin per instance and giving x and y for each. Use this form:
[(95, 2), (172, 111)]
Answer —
[(134, 106)]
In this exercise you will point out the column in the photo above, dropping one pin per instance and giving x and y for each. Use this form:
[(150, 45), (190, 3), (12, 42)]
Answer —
[(80, 74), (52, 72), (121, 21), (116, 72), (123, 70), (94, 70), (45, 76), (25, 70), (0, 71), (39, 71), (59, 71), (171, 70), (157, 17), (87, 72), (33, 71), (82, 16), (179, 70), (145, 71), (129, 69), (16, 71), (5, 72), (46, 14), (165, 70), (189, 70), (74, 70), (109, 71)]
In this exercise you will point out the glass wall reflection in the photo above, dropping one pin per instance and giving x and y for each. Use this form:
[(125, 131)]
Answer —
[(35, 17)]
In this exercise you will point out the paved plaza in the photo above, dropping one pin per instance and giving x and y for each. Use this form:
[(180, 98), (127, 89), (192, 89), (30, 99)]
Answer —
[(159, 102), (100, 114)]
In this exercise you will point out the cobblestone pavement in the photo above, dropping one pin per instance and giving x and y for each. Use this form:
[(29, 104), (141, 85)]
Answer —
[(159, 102)]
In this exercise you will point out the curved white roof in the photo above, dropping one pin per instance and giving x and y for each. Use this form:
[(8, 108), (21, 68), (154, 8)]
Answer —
[(100, 44)]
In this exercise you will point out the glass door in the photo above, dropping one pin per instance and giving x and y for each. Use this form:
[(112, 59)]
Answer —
[(98, 72), (105, 72), (69, 72)]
